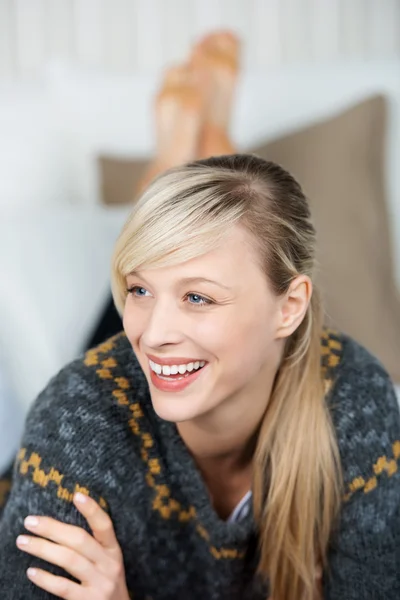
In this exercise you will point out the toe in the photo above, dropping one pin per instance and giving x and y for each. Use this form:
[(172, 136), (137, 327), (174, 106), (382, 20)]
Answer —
[(217, 49), (176, 76)]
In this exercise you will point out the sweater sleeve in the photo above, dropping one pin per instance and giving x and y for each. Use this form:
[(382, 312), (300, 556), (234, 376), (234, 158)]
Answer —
[(364, 557), (52, 464)]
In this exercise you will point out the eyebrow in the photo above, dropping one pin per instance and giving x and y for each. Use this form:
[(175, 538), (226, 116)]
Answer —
[(189, 280)]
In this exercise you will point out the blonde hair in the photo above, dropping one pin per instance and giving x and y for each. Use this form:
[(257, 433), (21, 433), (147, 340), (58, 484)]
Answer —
[(185, 213)]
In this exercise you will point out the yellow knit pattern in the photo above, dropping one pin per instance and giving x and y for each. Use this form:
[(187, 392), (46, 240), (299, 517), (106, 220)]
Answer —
[(382, 465), (331, 353), (331, 349), (32, 465)]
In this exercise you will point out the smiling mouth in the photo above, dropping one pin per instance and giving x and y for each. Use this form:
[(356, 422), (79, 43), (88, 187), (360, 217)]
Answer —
[(179, 376)]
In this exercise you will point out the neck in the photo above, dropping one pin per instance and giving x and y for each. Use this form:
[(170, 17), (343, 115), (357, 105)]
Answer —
[(233, 447), (231, 463)]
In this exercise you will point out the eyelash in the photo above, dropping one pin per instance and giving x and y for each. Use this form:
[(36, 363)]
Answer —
[(205, 301)]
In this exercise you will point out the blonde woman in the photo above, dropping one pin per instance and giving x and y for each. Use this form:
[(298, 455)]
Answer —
[(226, 445)]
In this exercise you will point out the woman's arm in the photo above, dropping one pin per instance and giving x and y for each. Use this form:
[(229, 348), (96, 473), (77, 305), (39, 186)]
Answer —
[(364, 559), (52, 465)]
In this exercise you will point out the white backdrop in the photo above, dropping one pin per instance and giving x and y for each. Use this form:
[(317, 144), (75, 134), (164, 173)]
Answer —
[(136, 36)]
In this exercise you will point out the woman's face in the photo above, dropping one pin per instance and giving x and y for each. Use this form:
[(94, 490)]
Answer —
[(230, 323)]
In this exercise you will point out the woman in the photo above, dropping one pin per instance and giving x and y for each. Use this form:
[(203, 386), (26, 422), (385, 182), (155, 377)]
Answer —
[(226, 445), (213, 273)]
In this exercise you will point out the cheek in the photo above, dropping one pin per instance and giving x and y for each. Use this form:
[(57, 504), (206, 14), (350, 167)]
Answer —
[(130, 323), (246, 342), (238, 338)]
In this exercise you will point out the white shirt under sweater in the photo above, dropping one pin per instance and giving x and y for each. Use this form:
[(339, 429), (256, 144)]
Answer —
[(241, 510)]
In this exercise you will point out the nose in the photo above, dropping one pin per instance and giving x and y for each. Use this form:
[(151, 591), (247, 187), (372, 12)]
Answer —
[(164, 325)]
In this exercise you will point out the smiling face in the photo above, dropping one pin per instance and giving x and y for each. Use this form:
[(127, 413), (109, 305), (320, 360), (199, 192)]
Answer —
[(231, 324)]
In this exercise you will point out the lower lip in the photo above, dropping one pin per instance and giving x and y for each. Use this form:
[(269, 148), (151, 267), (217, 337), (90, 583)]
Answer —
[(175, 385)]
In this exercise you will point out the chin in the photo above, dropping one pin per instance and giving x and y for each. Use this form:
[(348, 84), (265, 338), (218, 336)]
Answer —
[(168, 409)]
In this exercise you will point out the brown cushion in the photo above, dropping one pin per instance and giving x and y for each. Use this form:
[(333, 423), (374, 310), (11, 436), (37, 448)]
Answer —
[(119, 179), (340, 165)]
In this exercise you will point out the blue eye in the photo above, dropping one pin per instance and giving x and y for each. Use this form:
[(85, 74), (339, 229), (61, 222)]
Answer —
[(198, 300), (132, 290), (203, 301)]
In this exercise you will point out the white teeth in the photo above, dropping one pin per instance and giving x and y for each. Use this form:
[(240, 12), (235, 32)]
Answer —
[(156, 368), (175, 369)]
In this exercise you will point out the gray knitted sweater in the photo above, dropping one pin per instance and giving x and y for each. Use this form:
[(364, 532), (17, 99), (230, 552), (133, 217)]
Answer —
[(93, 427)]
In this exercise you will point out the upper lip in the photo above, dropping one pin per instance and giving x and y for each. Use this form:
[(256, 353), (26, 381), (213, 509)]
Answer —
[(176, 360)]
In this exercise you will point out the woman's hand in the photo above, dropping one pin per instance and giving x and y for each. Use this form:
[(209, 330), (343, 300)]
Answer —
[(96, 561)]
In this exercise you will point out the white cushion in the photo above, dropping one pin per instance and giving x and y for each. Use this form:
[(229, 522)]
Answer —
[(33, 164), (55, 267), (101, 114)]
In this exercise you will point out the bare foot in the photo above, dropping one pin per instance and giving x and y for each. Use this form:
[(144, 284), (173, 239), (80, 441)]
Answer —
[(179, 108), (216, 59)]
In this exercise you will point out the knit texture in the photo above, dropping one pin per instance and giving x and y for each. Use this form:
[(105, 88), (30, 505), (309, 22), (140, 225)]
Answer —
[(93, 429)]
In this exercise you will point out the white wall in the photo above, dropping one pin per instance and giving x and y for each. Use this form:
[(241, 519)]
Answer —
[(126, 36)]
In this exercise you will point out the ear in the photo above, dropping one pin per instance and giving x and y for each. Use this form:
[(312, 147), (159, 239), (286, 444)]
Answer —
[(293, 305)]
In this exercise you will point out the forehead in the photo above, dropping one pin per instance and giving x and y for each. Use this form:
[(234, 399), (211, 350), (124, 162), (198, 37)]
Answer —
[(232, 263), (235, 250)]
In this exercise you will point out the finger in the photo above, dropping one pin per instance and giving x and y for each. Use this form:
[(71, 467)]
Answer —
[(75, 564), (58, 586), (98, 520), (70, 536)]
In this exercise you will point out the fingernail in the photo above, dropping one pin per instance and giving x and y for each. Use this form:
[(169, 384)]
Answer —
[(31, 572), (22, 540), (31, 522), (81, 498)]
